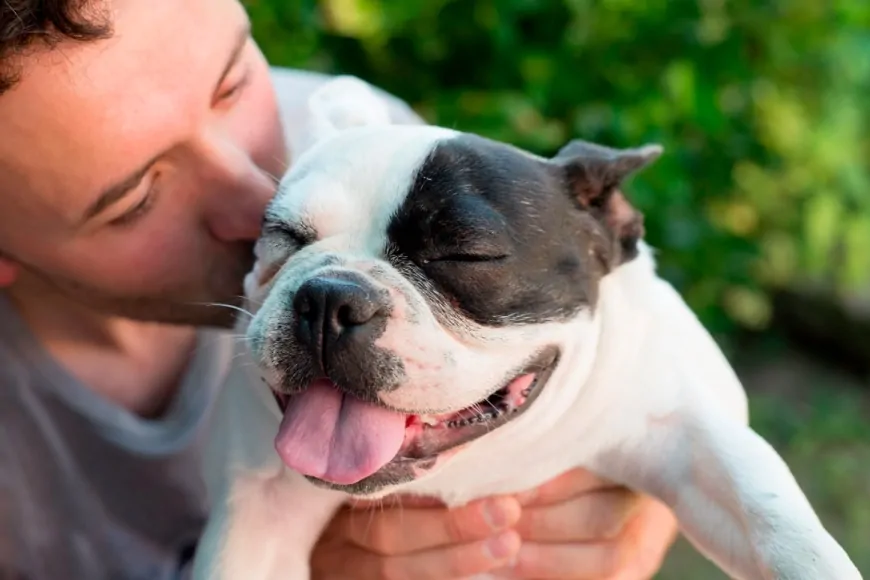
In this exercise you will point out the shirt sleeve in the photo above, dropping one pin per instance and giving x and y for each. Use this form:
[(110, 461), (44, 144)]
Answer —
[(12, 552)]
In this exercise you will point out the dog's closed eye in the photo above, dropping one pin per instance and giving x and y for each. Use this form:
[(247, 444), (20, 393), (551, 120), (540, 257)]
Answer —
[(298, 236)]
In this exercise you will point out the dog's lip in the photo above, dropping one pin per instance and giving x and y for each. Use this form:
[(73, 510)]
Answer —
[(542, 362), (432, 442), (429, 443)]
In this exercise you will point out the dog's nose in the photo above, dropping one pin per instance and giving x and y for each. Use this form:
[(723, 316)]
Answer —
[(338, 317)]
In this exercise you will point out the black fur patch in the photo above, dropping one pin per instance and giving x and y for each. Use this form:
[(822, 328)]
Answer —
[(500, 234)]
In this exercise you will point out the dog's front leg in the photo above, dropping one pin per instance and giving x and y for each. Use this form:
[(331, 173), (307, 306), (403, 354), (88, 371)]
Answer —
[(735, 498), (265, 519), (268, 528)]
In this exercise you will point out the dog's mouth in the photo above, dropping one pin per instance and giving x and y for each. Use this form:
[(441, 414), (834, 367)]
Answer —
[(343, 442), (427, 436)]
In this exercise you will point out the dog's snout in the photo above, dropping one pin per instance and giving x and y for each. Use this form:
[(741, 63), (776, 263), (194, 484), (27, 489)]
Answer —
[(338, 319)]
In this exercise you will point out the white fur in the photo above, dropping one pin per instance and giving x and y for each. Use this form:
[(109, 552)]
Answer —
[(642, 394)]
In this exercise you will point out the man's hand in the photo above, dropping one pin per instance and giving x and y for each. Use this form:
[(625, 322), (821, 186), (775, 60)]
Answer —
[(580, 527), (576, 527)]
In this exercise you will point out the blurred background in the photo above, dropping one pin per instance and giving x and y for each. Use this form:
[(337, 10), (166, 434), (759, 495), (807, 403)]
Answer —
[(760, 206)]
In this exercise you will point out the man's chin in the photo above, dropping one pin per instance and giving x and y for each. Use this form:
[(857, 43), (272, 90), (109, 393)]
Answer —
[(211, 296)]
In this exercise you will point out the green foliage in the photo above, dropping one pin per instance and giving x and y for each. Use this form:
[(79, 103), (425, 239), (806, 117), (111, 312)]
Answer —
[(765, 180)]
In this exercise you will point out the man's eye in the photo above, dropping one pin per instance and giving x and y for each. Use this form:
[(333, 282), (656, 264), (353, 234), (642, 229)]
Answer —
[(234, 89), (135, 213)]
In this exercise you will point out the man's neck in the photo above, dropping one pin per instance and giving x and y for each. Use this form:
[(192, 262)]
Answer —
[(134, 364)]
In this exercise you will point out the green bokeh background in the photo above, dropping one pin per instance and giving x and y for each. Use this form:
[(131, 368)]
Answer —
[(764, 113)]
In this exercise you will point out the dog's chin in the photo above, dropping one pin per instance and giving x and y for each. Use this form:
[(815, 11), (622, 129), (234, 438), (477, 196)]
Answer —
[(430, 438)]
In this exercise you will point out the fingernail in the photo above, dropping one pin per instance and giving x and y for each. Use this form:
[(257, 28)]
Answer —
[(503, 545), (497, 514)]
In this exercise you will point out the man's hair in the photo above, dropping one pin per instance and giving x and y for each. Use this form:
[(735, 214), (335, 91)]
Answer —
[(28, 24)]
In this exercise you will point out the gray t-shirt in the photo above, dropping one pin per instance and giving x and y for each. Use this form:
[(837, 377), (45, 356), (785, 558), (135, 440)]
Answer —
[(88, 490)]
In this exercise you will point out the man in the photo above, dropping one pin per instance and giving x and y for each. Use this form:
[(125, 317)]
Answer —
[(139, 144)]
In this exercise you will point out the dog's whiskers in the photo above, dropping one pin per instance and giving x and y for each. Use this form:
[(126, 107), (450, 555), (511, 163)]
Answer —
[(254, 302), (222, 305), (274, 178)]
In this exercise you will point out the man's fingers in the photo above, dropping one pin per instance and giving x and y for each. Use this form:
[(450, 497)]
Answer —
[(589, 561), (635, 554), (451, 563), (654, 530), (596, 516), (401, 530), (570, 484)]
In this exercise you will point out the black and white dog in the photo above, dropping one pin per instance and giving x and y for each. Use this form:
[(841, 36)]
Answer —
[(441, 314)]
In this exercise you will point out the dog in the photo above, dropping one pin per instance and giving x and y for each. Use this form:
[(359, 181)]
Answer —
[(440, 314)]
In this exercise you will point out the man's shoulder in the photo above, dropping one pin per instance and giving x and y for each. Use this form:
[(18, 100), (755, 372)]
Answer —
[(293, 87)]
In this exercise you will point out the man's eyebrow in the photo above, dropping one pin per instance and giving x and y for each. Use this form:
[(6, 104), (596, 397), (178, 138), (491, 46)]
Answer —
[(241, 41), (116, 192)]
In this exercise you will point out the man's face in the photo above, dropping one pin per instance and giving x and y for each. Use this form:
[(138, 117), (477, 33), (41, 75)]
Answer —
[(134, 170)]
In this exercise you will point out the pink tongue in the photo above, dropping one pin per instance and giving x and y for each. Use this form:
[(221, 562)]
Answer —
[(335, 437)]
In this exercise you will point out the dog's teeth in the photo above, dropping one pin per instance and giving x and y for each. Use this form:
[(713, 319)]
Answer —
[(527, 391), (481, 418), (428, 420)]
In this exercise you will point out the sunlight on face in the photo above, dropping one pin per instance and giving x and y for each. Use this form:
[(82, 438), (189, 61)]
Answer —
[(134, 170)]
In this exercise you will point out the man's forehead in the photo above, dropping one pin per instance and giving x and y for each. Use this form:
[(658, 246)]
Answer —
[(82, 110)]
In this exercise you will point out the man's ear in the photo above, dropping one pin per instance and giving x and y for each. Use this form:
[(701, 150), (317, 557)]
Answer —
[(594, 174), (8, 271), (342, 103)]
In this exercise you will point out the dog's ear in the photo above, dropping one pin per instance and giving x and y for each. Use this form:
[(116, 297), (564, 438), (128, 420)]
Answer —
[(342, 103), (594, 174)]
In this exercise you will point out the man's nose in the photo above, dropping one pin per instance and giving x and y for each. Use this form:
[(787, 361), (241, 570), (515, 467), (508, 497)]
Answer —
[(239, 190)]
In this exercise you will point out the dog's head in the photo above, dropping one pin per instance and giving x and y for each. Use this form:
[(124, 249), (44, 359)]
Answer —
[(416, 286)]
